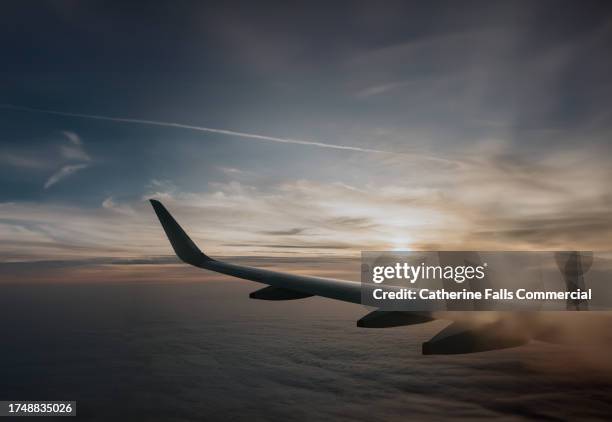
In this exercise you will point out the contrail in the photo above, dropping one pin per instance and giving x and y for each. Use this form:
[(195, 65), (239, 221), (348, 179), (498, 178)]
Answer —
[(232, 133), (198, 128)]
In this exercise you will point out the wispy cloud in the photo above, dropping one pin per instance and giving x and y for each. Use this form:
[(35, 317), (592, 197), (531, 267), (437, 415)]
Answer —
[(110, 204), (63, 173), (72, 151), (289, 232), (379, 89), (22, 161), (72, 137)]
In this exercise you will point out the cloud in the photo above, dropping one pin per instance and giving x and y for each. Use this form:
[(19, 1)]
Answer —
[(381, 89), (42, 159), (491, 204), (230, 171), (63, 173), (296, 246), (22, 161), (289, 232), (353, 223), (72, 137), (500, 200), (110, 204), (73, 151)]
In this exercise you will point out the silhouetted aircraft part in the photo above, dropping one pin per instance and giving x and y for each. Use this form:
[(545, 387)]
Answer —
[(458, 338), (585, 258), (386, 319), (184, 247), (278, 293), (573, 266), (187, 251), (453, 339)]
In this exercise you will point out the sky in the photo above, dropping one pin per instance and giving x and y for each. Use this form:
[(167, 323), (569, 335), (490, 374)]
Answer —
[(305, 131)]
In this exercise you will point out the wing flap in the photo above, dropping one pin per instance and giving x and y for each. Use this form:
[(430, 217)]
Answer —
[(457, 338), (278, 293), (386, 319)]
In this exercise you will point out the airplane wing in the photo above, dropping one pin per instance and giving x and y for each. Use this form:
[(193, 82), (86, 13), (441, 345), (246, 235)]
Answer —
[(284, 286), (454, 339)]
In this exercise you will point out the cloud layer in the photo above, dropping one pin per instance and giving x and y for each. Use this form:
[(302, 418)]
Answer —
[(496, 202)]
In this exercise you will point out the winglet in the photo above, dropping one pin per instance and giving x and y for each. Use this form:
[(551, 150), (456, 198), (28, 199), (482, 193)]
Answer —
[(183, 246)]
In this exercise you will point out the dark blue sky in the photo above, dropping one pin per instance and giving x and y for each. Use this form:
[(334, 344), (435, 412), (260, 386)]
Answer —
[(494, 118)]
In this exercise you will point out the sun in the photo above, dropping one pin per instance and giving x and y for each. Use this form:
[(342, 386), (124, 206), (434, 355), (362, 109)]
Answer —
[(401, 244)]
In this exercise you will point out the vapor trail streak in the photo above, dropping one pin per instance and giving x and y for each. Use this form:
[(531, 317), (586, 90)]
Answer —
[(197, 128), (416, 156)]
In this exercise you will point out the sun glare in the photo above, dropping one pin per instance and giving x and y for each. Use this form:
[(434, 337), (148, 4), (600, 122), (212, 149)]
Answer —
[(401, 244)]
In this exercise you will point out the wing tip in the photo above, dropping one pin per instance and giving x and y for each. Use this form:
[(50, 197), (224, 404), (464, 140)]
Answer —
[(183, 246)]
